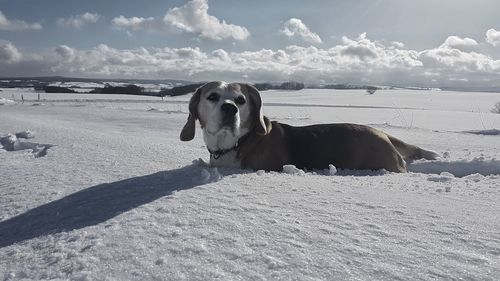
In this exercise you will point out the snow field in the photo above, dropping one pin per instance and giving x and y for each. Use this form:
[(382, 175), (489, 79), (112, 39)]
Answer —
[(119, 197)]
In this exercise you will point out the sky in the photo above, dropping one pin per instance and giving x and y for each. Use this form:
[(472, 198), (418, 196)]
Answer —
[(387, 42)]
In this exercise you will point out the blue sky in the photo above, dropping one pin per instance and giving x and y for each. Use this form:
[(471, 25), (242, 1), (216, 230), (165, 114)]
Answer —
[(398, 42)]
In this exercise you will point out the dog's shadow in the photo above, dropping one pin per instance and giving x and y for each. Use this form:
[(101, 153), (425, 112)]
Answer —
[(100, 203)]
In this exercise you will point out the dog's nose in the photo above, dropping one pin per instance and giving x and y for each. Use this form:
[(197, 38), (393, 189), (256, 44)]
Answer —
[(229, 109)]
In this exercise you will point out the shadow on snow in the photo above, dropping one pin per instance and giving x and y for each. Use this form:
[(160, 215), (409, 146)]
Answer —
[(102, 202), (457, 168)]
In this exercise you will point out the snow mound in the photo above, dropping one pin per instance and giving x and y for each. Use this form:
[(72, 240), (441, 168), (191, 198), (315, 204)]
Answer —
[(260, 172), (207, 173), (459, 168), (332, 170), (11, 142), (442, 177), (25, 134), (4, 101), (292, 170)]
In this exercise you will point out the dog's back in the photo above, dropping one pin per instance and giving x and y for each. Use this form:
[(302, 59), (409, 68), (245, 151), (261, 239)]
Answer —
[(346, 146)]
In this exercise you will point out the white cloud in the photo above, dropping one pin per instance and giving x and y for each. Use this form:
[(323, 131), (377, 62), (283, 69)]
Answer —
[(450, 60), (458, 42), (358, 60), (79, 21), (221, 54), (9, 53), (493, 37), (139, 23), (348, 61), (65, 51), (454, 59), (296, 28), (193, 17), (17, 25)]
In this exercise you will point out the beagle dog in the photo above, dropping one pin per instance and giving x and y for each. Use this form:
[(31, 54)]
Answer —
[(237, 134)]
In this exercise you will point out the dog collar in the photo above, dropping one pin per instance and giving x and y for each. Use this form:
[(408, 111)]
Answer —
[(216, 154)]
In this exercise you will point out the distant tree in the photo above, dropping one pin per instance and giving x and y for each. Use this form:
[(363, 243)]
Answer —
[(371, 90)]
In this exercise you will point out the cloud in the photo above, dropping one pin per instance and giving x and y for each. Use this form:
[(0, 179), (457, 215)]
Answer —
[(193, 18), (78, 21), (65, 51), (221, 54), (139, 23), (493, 37), (358, 60), (9, 53), (348, 61), (296, 28), (17, 25), (459, 43), (455, 61)]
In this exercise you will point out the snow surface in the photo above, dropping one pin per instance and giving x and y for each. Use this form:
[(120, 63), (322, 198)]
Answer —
[(117, 196), (4, 101)]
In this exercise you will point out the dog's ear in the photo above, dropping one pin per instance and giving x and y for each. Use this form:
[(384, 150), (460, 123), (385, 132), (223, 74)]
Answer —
[(187, 132), (261, 126)]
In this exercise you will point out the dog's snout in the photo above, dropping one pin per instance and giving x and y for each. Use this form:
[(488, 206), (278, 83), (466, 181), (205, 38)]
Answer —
[(229, 109)]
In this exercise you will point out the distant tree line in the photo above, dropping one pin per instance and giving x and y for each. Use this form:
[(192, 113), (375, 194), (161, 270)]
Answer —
[(290, 85), (56, 89), (132, 89), (186, 89), (349, 87), (125, 90), (181, 90)]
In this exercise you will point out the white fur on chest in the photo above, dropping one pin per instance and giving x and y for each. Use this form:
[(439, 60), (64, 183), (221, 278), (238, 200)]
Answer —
[(223, 139)]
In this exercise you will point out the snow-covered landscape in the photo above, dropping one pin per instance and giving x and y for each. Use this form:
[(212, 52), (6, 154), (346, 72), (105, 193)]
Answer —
[(99, 187)]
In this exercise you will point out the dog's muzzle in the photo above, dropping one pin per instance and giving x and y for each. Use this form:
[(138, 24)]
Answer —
[(228, 114), (228, 109)]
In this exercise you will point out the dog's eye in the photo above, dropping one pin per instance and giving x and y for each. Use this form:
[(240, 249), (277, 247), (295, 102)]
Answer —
[(240, 100), (213, 97)]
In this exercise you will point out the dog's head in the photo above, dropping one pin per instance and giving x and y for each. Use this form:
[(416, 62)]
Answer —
[(233, 108)]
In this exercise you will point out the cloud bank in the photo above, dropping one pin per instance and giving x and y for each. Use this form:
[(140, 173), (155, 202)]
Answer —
[(358, 60), (193, 17)]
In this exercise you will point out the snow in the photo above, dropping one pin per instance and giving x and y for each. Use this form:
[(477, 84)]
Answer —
[(12, 142), (292, 170), (332, 170), (117, 196), (4, 101)]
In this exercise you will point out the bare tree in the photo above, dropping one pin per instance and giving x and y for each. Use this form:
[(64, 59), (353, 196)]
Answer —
[(371, 90), (496, 108)]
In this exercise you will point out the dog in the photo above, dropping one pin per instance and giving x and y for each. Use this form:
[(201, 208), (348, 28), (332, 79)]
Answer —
[(237, 134)]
